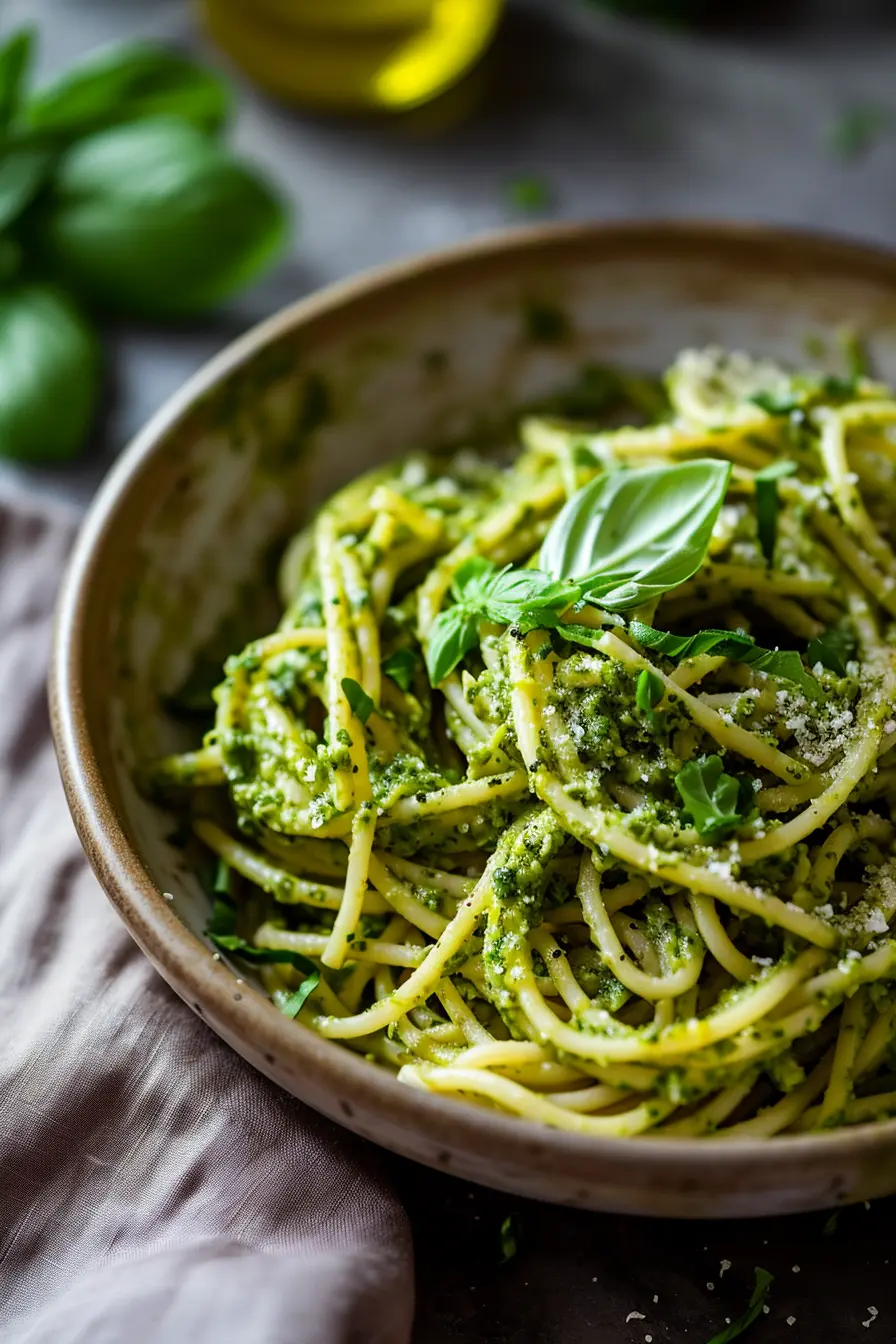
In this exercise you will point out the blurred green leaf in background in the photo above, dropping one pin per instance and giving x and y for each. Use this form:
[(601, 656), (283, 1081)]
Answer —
[(117, 196), (49, 374), (155, 220)]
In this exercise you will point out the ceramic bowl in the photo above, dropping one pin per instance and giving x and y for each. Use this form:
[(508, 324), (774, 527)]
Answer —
[(418, 354)]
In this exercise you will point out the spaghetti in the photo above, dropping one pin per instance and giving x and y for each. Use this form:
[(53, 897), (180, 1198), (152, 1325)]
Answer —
[(566, 787)]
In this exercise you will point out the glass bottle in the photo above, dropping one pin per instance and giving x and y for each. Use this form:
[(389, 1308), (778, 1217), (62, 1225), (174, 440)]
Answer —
[(353, 54)]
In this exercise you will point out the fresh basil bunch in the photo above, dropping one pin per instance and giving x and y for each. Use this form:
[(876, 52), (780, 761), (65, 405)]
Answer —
[(116, 196)]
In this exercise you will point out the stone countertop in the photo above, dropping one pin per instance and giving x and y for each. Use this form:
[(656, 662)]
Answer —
[(621, 120)]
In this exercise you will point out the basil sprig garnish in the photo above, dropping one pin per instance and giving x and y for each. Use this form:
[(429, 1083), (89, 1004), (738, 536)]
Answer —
[(783, 664), (716, 803), (526, 598), (767, 503), (627, 537), (630, 536)]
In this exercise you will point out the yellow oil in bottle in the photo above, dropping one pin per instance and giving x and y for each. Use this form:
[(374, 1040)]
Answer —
[(353, 54)]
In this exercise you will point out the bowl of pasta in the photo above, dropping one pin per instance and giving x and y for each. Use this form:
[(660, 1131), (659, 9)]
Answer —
[(476, 692)]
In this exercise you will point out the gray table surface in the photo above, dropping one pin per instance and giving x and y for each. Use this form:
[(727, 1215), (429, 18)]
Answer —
[(622, 120)]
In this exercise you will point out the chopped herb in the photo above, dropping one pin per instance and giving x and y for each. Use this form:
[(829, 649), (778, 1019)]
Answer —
[(578, 634), (855, 353), (270, 956), (222, 883), (291, 1003), (754, 1308), (766, 482), (855, 131), (716, 803), (774, 403), (837, 388), (528, 194), (830, 1226), (649, 691), (401, 666), (222, 923), (511, 1230), (360, 702), (832, 649)]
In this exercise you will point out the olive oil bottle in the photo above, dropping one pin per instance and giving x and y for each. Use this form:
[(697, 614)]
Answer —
[(353, 54)]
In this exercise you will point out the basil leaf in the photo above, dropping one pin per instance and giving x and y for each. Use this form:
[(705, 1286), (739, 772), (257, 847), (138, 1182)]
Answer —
[(222, 883), (10, 258), (23, 172), (832, 649), (763, 1280), (292, 1003), (783, 664), (716, 803), (630, 536), (357, 697), (766, 482), (725, 643), (127, 82), (401, 666), (273, 956), (154, 220), (649, 691), (222, 923), (577, 634), (839, 389), (49, 374), (16, 56), (774, 403), (454, 633)]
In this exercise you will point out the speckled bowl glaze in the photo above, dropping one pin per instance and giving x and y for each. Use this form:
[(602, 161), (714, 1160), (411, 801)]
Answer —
[(420, 353)]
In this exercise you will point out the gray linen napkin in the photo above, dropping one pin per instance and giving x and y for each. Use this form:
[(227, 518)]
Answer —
[(153, 1188)]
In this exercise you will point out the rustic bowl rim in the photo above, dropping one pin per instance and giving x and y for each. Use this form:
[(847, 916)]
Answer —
[(182, 959)]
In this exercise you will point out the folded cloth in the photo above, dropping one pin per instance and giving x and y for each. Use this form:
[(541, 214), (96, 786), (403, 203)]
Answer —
[(153, 1188)]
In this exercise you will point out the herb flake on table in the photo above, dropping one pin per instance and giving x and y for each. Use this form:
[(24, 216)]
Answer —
[(510, 1237), (763, 1281), (528, 194), (855, 132)]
